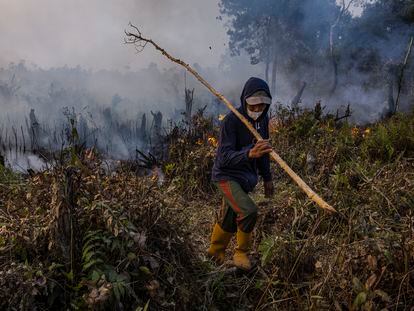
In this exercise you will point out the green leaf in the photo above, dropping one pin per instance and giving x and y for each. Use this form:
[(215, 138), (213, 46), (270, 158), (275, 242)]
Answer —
[(131, 256), (95, 275), (357, 285), (389, 257), (121, 288), (112, 275), (116, 291), (145, 270), (384, 296), (146, 305), (89, 248), (69, 275), (121, 278), (92, 239), (360, 299), (90, 234), (91, 263), (54, 266), (88, 256), (267, 248)]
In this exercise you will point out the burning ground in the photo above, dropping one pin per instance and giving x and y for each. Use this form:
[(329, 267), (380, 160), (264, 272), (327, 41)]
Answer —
[(77, 236)]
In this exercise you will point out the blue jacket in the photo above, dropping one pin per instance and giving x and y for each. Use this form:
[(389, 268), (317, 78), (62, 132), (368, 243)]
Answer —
[(232, 161)]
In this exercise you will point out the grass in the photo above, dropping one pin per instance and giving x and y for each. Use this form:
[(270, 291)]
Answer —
[(74, 237)]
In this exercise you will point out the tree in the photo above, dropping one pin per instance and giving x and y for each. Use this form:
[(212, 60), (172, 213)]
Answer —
[(285, 35), (375, 46)]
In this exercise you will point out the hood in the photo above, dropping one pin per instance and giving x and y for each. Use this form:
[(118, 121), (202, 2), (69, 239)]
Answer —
[(253, 85)]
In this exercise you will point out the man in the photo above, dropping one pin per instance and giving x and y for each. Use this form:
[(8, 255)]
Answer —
[(238, 161)]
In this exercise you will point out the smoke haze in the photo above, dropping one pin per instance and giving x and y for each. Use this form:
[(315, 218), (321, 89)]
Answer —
[(58, 54), (89, 33)]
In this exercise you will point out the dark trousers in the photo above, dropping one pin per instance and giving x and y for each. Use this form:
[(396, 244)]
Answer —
[(238, 210)]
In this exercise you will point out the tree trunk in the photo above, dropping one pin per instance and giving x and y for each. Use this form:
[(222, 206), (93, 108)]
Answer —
[(267, 70), (390, 99), (335, 77), (298, 96), (274, 69)]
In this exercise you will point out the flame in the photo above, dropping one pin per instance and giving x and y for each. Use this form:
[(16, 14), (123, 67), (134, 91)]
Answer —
[(355, 131), (366, 132), (213, 141), (157, 175)]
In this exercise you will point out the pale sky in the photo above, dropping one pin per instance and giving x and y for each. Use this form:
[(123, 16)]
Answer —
[(89, 33), (52, 33)]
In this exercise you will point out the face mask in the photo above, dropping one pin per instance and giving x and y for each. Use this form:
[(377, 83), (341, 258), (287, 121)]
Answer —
[(254, 115)]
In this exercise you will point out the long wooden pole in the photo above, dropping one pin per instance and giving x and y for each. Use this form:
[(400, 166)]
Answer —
[(140, 42)]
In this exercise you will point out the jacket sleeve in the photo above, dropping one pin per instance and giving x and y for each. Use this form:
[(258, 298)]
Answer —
[(263, 163), (227, 155)]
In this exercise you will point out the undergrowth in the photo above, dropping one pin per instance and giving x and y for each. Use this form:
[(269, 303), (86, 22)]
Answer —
[(76, 237)]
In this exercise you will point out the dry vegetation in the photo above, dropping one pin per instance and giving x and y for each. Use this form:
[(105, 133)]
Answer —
[(76, 237)]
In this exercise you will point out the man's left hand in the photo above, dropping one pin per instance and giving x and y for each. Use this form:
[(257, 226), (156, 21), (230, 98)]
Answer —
[(268, 189)]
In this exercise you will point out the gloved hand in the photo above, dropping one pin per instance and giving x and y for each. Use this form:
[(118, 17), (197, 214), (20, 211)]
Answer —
[(268, 189)]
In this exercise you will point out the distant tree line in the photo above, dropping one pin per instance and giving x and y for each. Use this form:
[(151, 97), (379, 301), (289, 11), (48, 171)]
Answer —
[(321, 43)]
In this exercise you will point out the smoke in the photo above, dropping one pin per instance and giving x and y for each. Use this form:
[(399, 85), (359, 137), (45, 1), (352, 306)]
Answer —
[(106, 105), (90, 33), (68, 60), (70, 56), (362, 66), (20, 162)]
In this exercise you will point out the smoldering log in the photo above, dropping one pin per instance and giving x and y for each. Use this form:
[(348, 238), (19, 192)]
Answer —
[(24, 140), (157, 147), (157, 122), (189, 97), (346, 115), (390, 97), (34, 131), (143, 129), (318, 110), (298, 96), (390, 79)]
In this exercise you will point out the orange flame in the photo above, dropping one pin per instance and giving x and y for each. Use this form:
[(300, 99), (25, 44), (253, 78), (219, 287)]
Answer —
[(355, 131), (367, 132), (213, 141)]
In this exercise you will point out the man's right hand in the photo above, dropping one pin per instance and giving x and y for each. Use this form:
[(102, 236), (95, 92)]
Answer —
[(261, 148)]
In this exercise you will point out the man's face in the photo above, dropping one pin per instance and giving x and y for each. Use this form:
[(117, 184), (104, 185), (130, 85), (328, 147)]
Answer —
[(256, 108)]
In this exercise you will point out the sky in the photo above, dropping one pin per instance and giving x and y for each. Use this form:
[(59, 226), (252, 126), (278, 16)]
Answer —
[(90, 33)]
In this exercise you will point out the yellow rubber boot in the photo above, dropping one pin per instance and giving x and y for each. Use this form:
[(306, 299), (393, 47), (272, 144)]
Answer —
[(240, 258), (219, 241)]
